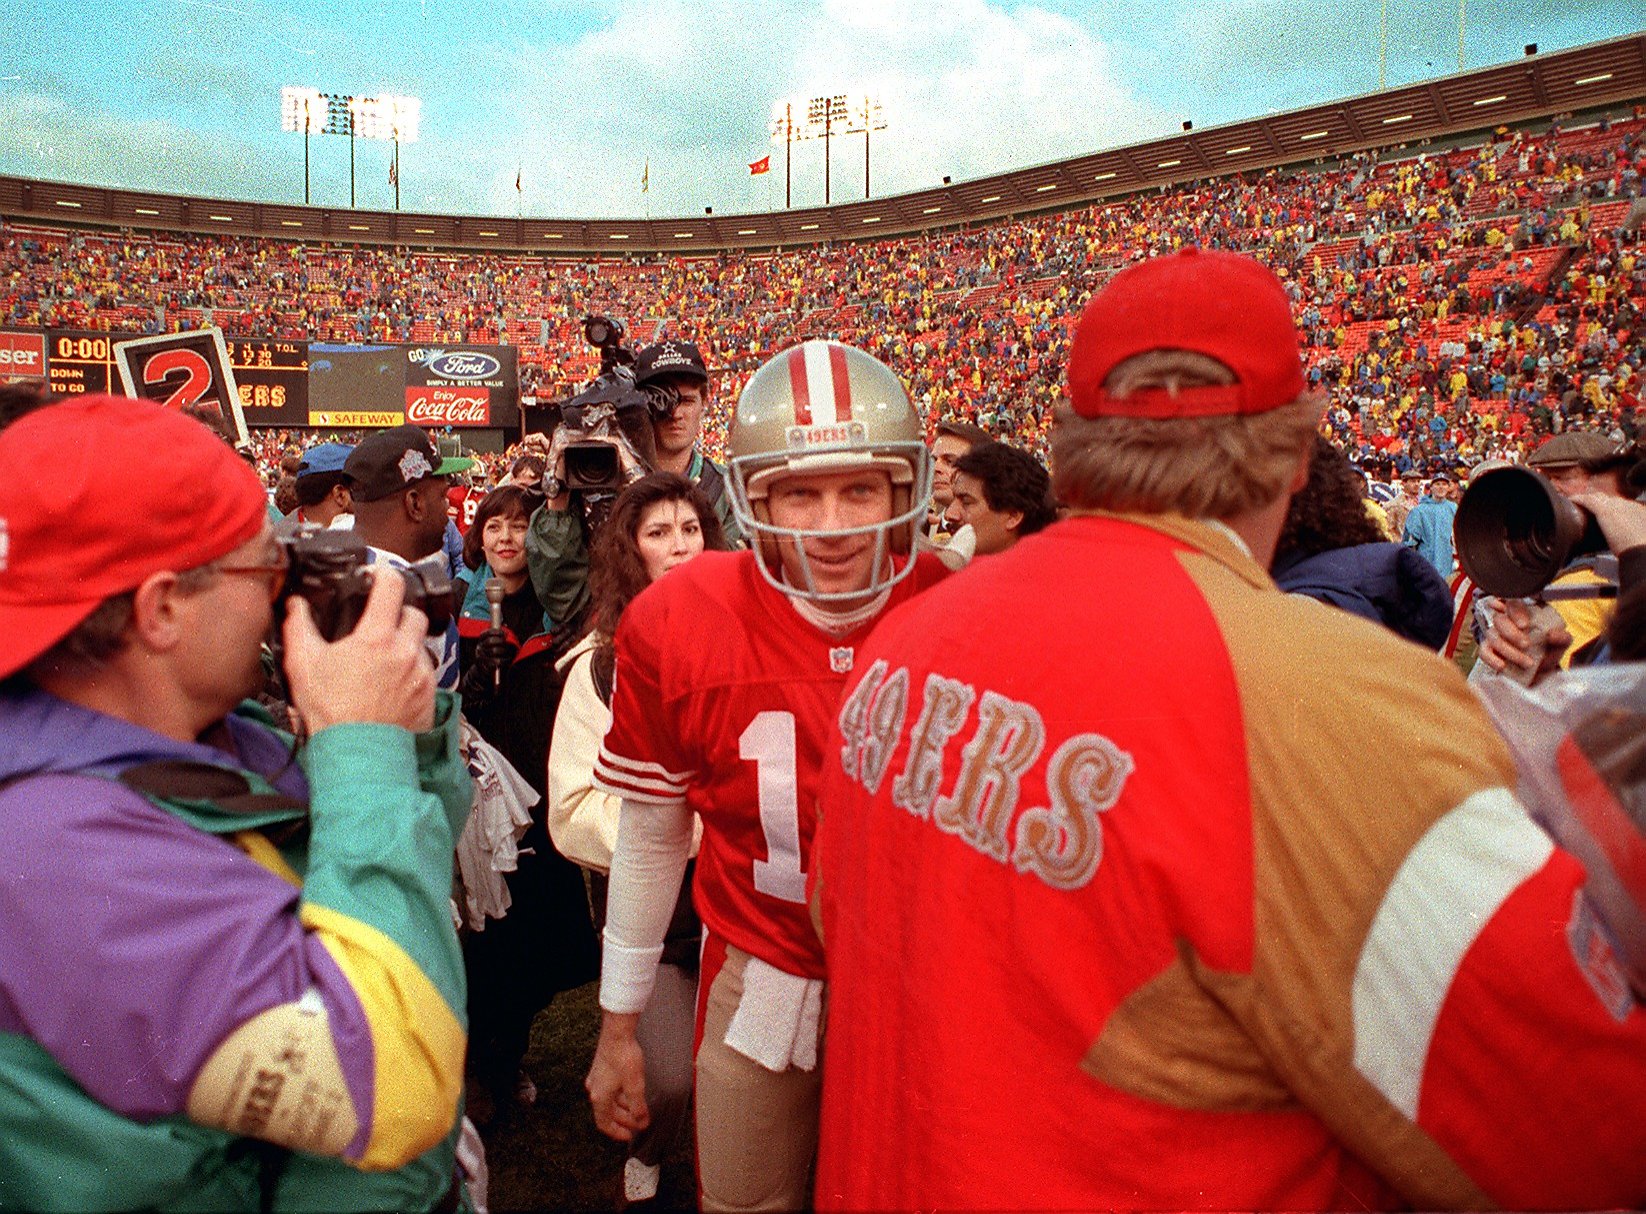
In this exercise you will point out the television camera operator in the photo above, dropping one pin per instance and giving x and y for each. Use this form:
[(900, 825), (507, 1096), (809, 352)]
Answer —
[(228, 973), (1552, 591), (643, 413)]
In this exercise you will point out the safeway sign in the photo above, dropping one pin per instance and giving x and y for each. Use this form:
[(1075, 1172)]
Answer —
[(22, 355)]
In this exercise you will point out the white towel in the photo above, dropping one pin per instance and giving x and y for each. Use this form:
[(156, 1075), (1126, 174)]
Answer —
[(778, 1019), (489, 845)]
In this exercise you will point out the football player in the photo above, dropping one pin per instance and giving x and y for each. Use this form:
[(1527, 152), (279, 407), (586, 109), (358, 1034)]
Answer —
[(728, 673)]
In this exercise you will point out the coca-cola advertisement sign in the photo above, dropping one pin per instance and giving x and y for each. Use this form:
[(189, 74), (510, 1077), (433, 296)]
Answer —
[(432, 405), (450, 379)]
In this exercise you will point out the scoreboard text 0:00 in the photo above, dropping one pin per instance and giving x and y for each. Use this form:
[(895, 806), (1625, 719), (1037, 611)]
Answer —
[(272, 376)]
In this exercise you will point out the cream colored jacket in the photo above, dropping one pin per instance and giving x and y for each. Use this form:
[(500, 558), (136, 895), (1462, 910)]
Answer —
[(582, 818)]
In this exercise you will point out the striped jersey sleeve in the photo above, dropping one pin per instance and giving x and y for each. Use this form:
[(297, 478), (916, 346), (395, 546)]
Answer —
[(641, 758)]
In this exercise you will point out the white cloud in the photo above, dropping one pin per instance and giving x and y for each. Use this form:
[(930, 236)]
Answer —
[(968, 88), (46, 136), (581, 94)]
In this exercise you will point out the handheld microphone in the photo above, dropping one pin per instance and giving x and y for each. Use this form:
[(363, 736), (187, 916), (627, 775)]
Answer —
[(494, 596)]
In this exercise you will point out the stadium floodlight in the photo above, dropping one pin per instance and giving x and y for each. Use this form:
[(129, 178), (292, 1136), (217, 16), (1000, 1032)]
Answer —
[(783, 129), (303, 110), (866, 116), (823, 117), (389, 118)]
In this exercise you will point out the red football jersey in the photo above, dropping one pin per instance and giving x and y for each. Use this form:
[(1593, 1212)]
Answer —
[(724, 698), (461, 504)]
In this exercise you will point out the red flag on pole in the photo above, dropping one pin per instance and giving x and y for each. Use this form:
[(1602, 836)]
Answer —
[(394, 173), (763, 165), (517, 181)]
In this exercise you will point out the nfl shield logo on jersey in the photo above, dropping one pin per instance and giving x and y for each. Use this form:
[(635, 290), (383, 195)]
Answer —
[(840, 659)]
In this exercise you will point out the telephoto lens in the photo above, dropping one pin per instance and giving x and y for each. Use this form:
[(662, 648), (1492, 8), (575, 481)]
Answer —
[(1516, 532)]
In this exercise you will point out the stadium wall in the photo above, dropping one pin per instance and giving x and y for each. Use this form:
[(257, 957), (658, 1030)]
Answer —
[(1537, 87)]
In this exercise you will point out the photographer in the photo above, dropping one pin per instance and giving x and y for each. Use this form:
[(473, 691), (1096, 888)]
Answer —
[(228, 977), (1594, 472), (1513, 646), (670, 373)]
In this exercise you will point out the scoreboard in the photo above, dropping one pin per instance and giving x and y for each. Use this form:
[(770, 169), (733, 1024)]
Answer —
[(81, 362), (290, 383), (273, 378)]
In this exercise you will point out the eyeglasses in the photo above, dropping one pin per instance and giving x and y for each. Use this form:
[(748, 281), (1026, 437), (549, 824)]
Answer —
[(276, 573)]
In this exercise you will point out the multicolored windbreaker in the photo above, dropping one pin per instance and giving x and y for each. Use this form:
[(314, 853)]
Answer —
[(230, 990)]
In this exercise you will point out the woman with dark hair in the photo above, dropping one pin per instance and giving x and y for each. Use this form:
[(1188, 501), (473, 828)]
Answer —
[(1332, 549), (656, 523), (545, 944)]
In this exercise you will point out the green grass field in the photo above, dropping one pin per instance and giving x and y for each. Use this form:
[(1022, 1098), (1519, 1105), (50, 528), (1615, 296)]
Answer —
[(551, 1157)]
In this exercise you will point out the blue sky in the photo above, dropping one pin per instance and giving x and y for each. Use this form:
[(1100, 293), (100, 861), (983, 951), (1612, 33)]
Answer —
[(579, 98)]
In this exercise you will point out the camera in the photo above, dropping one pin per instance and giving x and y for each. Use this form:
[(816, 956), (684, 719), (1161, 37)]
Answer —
[(612, 411), (1516, 532), (328, 569)]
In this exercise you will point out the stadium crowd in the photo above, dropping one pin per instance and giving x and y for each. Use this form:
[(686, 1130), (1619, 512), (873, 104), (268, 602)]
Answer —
[(1460, 303), (1096, 916)]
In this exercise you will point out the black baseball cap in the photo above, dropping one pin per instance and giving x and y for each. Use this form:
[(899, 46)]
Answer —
[(390, 460), (669, 358)]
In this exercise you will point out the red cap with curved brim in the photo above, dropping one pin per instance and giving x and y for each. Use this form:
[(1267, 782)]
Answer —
[(1224, 306), (82, 520)]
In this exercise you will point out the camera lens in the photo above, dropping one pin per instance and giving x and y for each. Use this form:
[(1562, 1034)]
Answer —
[(593, 467), (1515, 532), (602, 331)]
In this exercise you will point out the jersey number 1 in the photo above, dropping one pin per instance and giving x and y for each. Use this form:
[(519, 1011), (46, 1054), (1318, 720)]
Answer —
[(769, 743)]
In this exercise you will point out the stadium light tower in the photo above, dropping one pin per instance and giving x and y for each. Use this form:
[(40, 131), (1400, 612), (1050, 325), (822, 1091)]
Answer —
[(387, 118), (303, 110), (821, 115), (849, 114), (866, 116), (785, 132)]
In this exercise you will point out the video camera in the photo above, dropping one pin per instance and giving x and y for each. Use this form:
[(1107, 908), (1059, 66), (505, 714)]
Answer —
[(328, 569), (1516, 532), (610, 412)]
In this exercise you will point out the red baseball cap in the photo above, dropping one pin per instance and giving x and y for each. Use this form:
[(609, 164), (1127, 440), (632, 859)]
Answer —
[(1222, 305), (77, 527)]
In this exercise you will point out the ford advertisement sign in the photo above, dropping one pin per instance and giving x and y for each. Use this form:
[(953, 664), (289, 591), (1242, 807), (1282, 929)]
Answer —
[(467, 365), (461, 386)]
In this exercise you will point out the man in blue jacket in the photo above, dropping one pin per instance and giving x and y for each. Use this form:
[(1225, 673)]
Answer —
[(228, 973), (1429, 526)]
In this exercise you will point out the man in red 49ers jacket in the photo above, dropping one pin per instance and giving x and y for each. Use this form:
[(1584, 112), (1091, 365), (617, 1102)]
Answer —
[(1127, 905)]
